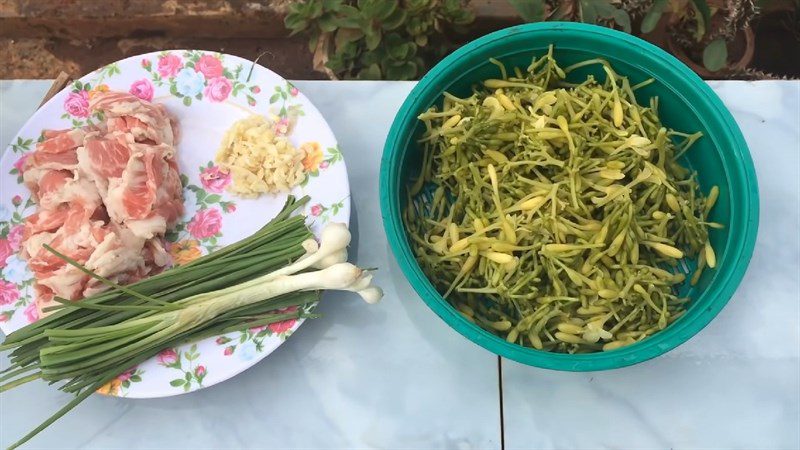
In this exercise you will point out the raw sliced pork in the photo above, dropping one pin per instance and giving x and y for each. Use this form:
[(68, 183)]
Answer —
[(107, 194)]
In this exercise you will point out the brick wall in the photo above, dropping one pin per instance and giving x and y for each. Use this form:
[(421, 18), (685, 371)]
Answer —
[(92, 19)]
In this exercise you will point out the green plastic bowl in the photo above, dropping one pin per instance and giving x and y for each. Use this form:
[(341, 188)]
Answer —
[(686, 104)]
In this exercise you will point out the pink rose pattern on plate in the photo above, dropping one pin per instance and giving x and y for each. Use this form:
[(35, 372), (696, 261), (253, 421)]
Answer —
[(167, 357), (19, 166), (8, 293), (143, 89), (219, 83), (15, 279), (31, 313), (205, 224), (209, 65), (213, 179), (194, 75), (257, 335), (76, 105), (192, 374), (209, 204), (286, 325), (133, 375), (218, 89), (119, 386), (15, 237), (322, 212), (168, 65)]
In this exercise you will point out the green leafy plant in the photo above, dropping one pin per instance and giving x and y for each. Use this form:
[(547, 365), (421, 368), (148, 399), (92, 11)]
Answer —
[(700, 32), (377, 39), (602, 12)]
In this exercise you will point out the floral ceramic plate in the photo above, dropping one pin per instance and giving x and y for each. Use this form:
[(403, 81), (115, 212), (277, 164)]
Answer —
[(207, 92)]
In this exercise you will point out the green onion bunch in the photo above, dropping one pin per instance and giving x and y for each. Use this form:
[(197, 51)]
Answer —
[(85, 344)]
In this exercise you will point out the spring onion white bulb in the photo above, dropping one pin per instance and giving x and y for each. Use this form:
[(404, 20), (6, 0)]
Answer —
[(371, 295), (334, 239)]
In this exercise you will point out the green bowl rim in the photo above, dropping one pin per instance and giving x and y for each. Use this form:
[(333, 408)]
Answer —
[(662, 342)]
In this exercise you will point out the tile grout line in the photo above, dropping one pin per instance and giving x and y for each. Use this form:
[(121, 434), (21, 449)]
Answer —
[(502, 417)]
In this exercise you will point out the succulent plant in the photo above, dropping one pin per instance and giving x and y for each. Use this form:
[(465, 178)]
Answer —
[(376, 39), (636, 8), (703, 28), (603, 12), (709, 25)]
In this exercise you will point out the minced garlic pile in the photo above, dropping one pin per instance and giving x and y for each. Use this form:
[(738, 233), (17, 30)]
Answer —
[(258, 160)]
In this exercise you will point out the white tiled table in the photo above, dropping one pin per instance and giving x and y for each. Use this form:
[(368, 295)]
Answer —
[(395, 376)]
